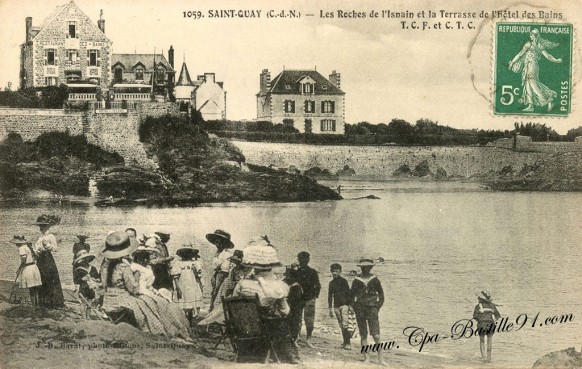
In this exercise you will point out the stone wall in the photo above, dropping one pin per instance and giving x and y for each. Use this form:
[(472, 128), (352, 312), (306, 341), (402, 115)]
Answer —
[(382, 161), (31, 123), (112, 130), (524, 143)]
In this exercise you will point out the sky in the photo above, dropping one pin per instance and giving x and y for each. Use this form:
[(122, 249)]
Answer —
[(386, 71)]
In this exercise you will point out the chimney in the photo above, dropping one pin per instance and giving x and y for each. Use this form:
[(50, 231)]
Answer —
[(265, 81), (209, 77), (335, 79), (28, 27), (101, 21), (101, 25), (171, 56)]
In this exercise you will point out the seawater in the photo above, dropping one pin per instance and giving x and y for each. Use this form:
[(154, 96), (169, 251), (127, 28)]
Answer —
[(441, 242)]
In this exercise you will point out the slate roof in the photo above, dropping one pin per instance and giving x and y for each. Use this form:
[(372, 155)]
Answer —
[(184, 79), (287, 82), (130, 60)]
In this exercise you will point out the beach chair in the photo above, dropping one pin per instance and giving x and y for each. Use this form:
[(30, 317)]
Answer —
[(246, 329)]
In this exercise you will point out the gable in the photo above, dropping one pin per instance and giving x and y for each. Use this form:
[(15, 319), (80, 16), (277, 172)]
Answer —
[(210, 107), (118, 64), (56, 25), (139, 64)]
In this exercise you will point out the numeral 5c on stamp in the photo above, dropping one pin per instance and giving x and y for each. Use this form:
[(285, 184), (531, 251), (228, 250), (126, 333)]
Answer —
[(533, 69)]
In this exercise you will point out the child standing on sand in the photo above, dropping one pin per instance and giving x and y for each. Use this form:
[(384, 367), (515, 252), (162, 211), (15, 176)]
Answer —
[(187, 285), (338, 301), (27, 271), (486, 315), (368, 298)]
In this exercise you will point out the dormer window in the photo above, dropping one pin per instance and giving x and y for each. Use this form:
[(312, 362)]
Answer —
[(139, 74), (308, 88), (72, 29), (287, 87), (160, 74)]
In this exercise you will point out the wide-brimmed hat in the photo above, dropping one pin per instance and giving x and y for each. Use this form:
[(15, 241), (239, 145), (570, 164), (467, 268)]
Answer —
[(82, 237), (144, 250), (261, 257), (237, 257), (19, 240), (187, 252), (83, 254), (220, 237), (118, 244), (366, 262), (484, 296), (164, 237), (48, 220)]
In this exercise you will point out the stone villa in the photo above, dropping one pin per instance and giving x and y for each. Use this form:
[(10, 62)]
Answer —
[(303, 99), (68, 48)]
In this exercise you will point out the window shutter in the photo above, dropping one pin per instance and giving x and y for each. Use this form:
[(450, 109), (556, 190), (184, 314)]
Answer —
[(333, 125), (305, 106), (292, 107), (88, 57), (313, 106), (323, 107), (56, 56), (332, 107), (45, 57), (98, 58), (322, 126)]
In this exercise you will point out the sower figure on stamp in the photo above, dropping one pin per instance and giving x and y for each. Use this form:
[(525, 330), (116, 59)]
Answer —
[(526, 61), (486, 315), (368, 297), (308, 280)]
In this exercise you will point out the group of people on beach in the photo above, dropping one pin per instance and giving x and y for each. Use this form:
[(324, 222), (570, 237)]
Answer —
[(140, 283)]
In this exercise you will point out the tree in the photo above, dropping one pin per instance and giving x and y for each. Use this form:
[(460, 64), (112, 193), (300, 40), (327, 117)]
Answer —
[(573, 133)]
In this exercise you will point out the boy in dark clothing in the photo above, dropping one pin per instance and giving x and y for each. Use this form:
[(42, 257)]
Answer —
[(339, 295), (296, 303), (486, 315), (368, 298), (308, 280)]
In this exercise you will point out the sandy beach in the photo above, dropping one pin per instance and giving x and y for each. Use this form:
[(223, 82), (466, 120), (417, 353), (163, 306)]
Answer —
[(62, 339)]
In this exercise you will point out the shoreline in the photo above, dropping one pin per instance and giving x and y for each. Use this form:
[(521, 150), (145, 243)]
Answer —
[(62, 339)]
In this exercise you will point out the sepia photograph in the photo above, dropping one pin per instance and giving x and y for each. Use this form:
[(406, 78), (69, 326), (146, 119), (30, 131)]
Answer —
[(330, 184)]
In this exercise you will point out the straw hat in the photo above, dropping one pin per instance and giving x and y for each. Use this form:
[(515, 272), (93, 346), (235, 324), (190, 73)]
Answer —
[(366, 262), (19, 240), (48, 220), (83, 254), (187, 252), (261, 257), (220, 237), (118, 244), (164, 237), (484, 296)]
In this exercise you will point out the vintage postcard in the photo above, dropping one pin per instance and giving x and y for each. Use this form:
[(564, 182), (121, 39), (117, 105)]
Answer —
[(207, 184)]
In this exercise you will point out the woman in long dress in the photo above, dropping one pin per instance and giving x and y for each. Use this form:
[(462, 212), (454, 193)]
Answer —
[(150, 313), (51, 293), (534, 93)]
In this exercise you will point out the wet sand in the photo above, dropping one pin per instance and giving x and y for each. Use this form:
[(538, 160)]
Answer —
[(63, 339)]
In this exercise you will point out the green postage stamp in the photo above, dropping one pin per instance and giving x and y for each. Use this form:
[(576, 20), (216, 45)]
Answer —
[(533, 69)]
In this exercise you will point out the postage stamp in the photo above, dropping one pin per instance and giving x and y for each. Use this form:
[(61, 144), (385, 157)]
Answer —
[(533, 69)]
